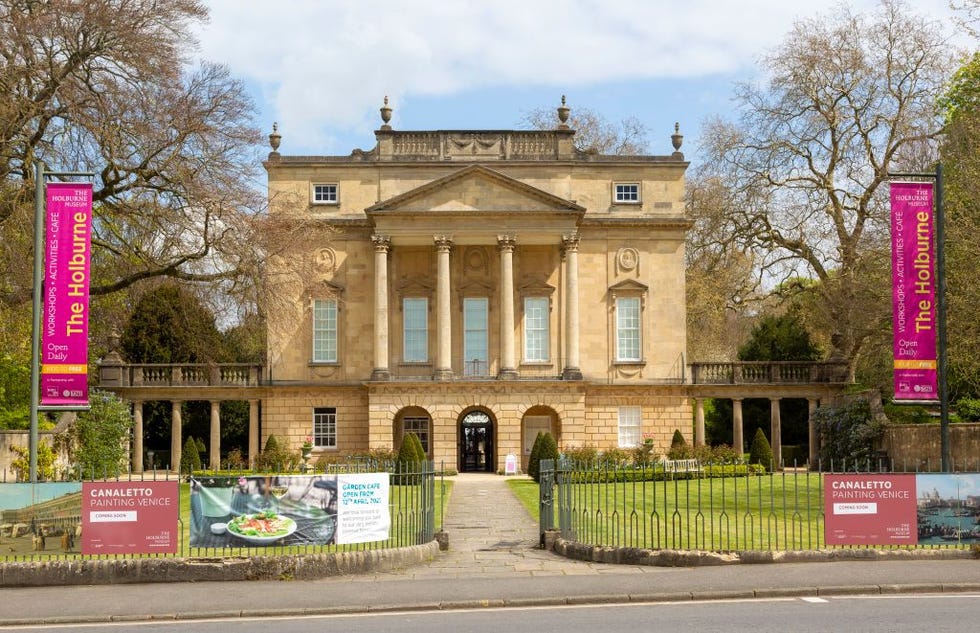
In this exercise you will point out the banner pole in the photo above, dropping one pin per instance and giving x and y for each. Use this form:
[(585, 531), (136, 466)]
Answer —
[(947, 465), (36, 313)]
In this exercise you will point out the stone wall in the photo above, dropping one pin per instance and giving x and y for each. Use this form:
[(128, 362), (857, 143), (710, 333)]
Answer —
[(915, 447)]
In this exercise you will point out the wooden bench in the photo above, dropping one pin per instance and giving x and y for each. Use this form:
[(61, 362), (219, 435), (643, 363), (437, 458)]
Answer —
[(675, 466)]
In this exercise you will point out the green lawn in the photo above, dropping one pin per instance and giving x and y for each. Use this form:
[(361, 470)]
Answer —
[(782, 511)]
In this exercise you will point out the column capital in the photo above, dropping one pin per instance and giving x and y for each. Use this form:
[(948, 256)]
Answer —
[(506, 242), (569, 242), (444, 243), (381, 242)]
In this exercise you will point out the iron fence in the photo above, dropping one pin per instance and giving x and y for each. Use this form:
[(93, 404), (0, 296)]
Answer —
[(50, 529), (723, 507)]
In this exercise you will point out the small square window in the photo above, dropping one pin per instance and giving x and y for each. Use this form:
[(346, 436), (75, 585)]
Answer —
[(324, 194), (627, 192)]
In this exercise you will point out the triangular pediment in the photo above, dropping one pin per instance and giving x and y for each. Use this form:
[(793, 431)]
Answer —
[(628, 286), (474, 189)]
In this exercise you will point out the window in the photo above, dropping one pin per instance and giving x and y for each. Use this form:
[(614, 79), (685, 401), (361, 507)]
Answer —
[(630, 426), (536, 329), (325, 331), (416, 321), (628, 329), (419, 426), (324, 194), (627, 192), (325, 427), (475, 345)]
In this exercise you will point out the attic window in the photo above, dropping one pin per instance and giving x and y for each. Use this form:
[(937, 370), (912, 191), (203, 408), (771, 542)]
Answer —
[(325, 194), (627, 193)]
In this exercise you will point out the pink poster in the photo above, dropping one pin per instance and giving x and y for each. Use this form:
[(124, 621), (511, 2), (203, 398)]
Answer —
[(913, 291), (870, 509), (64, 330), (129, 517)]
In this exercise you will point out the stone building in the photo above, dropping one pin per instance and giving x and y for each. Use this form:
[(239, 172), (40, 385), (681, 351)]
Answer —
[(477, 287)]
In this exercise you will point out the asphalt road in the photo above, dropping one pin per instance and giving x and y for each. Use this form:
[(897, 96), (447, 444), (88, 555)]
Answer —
[(913, 613)]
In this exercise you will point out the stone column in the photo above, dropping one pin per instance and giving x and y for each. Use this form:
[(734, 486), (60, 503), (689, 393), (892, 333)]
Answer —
[(508, 368), (253, 431), (381, 245), (137, 436), (699, 421), (175, 435), (570, 249), (738, 442), (814, 438), (776, 433), (444, 368), (214, 446)]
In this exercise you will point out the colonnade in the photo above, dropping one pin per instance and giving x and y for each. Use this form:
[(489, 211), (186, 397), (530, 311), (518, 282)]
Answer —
[(506, 246), (775, 426), (176, 431)]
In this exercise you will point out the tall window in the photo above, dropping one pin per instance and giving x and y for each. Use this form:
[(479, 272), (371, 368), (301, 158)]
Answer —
[(325, 331), (630, 426), (420, 426), (536, 329), (416, 336), (325, 427), (475, 341), (628, 329)]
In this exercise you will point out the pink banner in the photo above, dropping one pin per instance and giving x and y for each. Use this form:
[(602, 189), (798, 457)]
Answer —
[(914, 291), (134, 517), (870, 510), (64, 332)]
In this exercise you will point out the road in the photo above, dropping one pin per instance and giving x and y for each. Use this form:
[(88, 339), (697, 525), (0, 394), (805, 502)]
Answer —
[(914, 613)]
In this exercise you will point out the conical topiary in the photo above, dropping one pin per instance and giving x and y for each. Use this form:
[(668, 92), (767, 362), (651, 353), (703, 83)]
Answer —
[(545, 447), (760, 452), (190, 459)]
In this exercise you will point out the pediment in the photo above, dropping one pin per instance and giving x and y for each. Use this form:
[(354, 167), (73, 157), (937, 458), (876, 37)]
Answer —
[(629, 286), (474, 189)]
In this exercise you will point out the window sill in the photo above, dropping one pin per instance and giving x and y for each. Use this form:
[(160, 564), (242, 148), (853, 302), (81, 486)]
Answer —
[(629, 363), (323, 363)]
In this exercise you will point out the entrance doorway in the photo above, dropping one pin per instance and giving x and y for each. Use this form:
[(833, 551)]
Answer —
[(476, 443)]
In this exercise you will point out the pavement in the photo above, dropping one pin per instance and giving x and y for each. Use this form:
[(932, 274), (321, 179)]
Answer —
[(493, 560)]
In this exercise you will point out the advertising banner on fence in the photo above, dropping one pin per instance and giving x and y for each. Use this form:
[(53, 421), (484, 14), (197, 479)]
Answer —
[(913, 291), (260, 510), (129, 517), (38, 519), (64, 331), (364, 514), (865, 509), (948, 508)]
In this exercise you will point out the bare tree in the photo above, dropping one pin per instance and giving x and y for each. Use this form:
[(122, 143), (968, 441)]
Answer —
[(108, 86), (846, 99), (593, 132)]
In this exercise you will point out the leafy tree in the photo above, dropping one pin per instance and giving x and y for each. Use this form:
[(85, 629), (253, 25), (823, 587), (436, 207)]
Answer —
[(778, 338), (170, 325), (849, 435), (15, 393), (847, 98), (97, 440), (45, 462), (760, 452)]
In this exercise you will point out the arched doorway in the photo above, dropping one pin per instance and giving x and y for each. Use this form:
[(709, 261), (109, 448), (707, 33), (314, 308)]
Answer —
[(476, 452)]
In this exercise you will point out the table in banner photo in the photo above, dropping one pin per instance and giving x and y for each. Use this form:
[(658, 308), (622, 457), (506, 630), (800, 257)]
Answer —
[(251, 511)]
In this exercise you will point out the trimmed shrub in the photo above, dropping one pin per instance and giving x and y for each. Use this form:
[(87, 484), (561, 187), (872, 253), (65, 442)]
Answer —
[(410, 452), (678, 447), (580, 454), (760, 452), (190, 458), (615, 458), (644, 453), (545, 447), (276, 457)]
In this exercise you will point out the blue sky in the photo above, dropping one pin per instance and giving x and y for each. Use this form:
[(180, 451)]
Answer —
[(321, 68)]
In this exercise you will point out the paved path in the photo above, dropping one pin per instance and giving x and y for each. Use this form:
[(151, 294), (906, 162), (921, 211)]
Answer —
[(491, 535)]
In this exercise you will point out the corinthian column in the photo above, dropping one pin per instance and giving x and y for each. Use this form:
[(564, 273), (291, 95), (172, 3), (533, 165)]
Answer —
[(381, 246), (506, 244), (569, 245), (444, 369)]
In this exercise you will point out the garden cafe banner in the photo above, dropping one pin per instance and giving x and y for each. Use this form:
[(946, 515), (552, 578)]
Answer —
[(904, 509), (289, 510), (64, 333), (913, 291)]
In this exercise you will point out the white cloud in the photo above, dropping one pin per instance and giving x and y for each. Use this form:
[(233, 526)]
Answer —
[(323, 66)]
